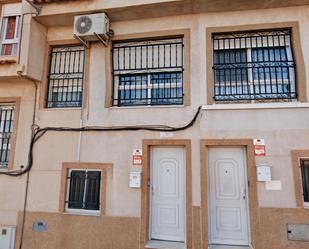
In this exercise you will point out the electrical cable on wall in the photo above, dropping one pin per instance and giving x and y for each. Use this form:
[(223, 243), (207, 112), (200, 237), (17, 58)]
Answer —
[(40, 132)]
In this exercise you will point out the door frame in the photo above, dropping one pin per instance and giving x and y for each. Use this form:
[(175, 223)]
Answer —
[(145, 194), (253, 211)]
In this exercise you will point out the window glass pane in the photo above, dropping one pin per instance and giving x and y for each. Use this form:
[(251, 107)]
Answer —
[(129, 97), (133, 89), (77, 188), (166, 88), (165, 78), (10, 29), (133, 81), (7, 49), (270, 64), (167, 96), (230, 66)]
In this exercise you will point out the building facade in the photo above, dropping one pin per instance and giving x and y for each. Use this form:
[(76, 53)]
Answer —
[(188, 128)]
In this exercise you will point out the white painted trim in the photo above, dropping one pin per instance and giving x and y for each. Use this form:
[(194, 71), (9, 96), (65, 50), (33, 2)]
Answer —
[(251, 106), (11, 9), (159, 244), (82, 212)]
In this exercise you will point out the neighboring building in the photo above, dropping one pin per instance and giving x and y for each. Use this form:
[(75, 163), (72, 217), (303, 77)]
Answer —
[(244, 62)]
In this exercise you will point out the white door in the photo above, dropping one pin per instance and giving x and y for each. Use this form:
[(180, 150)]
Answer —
[(167, 191), (228, 218)]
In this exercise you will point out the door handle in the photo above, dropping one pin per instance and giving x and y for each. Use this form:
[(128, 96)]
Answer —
[(244, 193), (153, 188)]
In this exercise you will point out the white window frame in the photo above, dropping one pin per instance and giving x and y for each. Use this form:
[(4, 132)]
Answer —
[(82, 211), (4, 22)]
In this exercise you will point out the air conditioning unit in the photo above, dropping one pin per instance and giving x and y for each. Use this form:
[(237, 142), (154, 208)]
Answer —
[(91, 27), (7, 237)]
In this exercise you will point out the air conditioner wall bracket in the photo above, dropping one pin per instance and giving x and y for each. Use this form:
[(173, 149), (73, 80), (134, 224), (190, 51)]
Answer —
[(82, 41), (101, 39)]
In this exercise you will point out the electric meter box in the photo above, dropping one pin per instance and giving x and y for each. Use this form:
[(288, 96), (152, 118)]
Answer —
[(263, 172), (298, 232), (135, 179)]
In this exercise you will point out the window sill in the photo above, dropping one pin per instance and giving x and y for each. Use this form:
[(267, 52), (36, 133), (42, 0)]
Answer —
[(7, 59), (83, 213), (246, 106), (62, 109), (160, 244), (147, 107)]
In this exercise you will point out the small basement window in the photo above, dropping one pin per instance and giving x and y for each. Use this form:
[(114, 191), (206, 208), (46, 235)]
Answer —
[(83, 191), (304, 165)]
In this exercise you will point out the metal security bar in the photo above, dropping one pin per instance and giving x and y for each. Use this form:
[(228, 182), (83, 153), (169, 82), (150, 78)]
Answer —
[(305, 178), (66, 76), (254, 66), (6, 129), (84, 190), (148, 72)]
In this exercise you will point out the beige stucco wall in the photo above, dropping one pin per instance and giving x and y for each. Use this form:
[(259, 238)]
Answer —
[(282, 129), (34, 45), (72, 6), (13, 196)]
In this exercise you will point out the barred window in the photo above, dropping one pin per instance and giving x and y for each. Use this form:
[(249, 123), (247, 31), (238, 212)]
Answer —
[(66, 76), (10, 31), (6, 130), (83, 190), (305, 179), (254, 66), (148, 72)]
